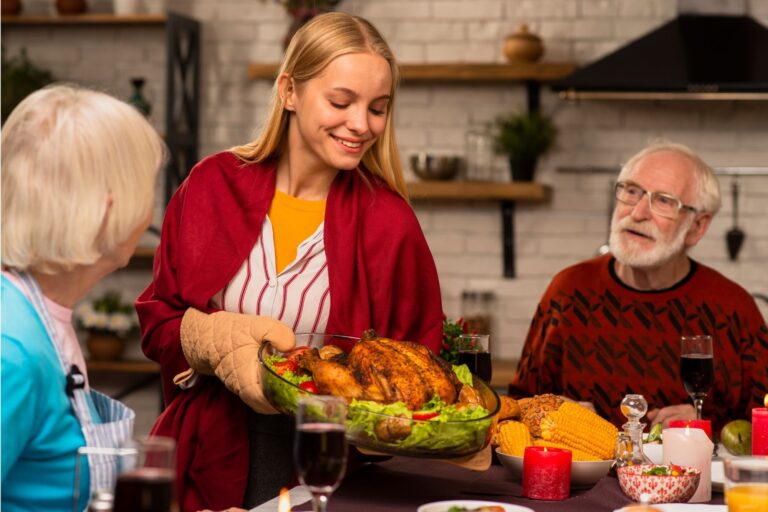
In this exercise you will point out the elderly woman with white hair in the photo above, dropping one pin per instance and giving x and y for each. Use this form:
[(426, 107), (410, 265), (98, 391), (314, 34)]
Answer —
[(78, 180)]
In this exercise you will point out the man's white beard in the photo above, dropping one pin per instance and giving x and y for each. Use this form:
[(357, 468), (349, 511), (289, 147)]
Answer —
[(633, 254)]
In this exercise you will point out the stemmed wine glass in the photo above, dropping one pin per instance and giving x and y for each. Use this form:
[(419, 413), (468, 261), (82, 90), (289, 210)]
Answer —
[(320, 446), (697, 368), (141, 475)]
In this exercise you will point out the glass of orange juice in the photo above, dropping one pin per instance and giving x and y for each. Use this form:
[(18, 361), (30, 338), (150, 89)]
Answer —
[(746, 484)]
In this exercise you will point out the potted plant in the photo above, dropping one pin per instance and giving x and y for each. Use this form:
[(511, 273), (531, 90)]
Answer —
[(19, 79), (524, 137), (449, 346), (302, 11), (108, 322)]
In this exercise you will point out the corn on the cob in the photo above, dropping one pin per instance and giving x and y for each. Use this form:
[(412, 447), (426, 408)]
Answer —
[(576, 454), (577, 427), (514, 437)]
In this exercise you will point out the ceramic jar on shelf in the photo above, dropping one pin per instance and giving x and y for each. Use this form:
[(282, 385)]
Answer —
[(523, 46)]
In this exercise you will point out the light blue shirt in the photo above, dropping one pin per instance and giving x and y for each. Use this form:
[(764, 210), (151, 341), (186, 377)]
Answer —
[(40, 432)]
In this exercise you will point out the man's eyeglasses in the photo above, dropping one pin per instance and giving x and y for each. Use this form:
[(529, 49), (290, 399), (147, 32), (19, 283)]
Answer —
[(662, 204)]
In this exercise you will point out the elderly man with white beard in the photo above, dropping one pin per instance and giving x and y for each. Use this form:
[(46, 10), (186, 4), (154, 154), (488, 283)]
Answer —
[(611, 326)]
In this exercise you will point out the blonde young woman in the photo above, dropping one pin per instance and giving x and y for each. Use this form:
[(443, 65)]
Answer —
[(307, 228), (78, 176)]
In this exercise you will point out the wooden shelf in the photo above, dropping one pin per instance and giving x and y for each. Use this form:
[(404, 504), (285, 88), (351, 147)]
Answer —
[(144, 252), (124, 366), (85, 19), (479, 191), (537, 72)]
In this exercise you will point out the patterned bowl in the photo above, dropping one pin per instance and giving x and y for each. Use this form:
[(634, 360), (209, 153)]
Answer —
[(660, 489)]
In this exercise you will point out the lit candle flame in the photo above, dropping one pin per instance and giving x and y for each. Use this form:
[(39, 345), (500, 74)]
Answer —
[(765, 400), (284, 501)]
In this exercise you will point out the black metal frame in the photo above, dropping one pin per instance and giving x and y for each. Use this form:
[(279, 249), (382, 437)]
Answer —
[(533, 89), (182, 98)]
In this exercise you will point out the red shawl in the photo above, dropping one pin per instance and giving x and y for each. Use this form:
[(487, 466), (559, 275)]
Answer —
[(381, 276)]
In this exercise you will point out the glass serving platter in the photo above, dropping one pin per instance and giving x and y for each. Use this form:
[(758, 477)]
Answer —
[(434, 437)]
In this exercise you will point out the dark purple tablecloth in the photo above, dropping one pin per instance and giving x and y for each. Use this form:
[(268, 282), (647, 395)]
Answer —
[(402, 484)]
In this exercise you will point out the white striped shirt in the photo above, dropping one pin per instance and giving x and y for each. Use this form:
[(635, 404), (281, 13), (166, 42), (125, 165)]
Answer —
[(299, 296)]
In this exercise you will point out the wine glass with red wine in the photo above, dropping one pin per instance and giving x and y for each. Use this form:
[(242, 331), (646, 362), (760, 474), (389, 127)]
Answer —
[(474, 351), (320, 446), (146, 473), (697, 368)]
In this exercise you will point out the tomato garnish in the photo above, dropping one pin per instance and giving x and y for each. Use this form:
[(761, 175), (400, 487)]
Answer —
[(309, 386), (285, 366), (293, 354), (425, 416)]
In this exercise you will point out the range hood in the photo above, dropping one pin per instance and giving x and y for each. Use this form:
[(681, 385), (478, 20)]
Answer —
[(691, 57)]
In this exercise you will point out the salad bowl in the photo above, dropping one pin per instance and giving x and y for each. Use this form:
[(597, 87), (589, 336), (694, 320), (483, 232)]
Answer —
[(663, 488), (437, 430)]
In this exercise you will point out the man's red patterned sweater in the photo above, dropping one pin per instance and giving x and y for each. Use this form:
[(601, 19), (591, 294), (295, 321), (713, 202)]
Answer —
[(594, 339)]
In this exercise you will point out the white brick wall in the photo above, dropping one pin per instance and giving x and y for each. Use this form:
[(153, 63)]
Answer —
[(465, 237)]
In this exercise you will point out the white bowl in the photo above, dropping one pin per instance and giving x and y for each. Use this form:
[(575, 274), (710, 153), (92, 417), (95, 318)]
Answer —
[(583, 473), (513, 464), (586, 473), (655, 452)]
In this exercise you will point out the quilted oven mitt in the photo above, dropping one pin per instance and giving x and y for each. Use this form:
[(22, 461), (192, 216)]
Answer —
[(227, 344)]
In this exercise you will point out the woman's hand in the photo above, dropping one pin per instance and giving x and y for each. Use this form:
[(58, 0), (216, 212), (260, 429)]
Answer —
[(671, 412), (226, 344)]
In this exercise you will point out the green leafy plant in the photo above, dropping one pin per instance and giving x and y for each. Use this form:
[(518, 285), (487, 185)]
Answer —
[(20, 78), (107, 314), (449, 346), (524, 137)]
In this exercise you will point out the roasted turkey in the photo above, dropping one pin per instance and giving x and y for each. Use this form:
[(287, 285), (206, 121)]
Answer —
[(383, 370)]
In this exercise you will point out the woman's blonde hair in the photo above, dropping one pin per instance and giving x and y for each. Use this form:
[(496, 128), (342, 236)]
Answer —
[(708, 192), (66, 151), (312, 48)]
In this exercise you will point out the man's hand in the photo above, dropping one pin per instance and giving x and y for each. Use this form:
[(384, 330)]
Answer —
[(671, 412)]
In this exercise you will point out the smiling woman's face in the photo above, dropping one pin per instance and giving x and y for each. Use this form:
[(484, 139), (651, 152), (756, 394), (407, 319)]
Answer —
[(338, 115)]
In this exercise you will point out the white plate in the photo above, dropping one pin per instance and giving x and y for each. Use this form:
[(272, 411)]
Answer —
[(443, 506), (685, 507)]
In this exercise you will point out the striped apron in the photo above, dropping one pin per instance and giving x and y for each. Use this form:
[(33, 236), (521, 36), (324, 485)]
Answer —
[(114, 424)]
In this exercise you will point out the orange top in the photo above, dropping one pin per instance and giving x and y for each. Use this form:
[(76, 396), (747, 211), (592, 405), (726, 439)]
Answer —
[(293, 221)]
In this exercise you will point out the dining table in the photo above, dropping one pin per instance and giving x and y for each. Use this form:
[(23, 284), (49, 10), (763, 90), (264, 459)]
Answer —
[(404, 484)]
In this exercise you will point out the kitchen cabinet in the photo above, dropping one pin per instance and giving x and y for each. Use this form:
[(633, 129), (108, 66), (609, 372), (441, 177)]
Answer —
[(182, 77)]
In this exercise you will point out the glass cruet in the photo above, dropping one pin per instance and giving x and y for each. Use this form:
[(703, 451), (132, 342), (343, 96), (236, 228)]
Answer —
[(629, 445)]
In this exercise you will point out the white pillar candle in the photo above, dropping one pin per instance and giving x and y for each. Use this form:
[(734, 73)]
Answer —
[(691, 447)]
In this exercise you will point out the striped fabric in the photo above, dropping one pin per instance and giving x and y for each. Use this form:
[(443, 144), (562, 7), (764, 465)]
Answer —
[(106, 423), (299, 296)]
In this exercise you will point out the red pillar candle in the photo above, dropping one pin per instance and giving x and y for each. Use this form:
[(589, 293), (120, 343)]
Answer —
[(546, 473), (760, 431), (704, 425)]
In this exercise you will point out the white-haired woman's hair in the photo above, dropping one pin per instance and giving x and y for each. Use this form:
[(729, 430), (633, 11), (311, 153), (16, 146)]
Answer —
[(66, 152), (708, 193)]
